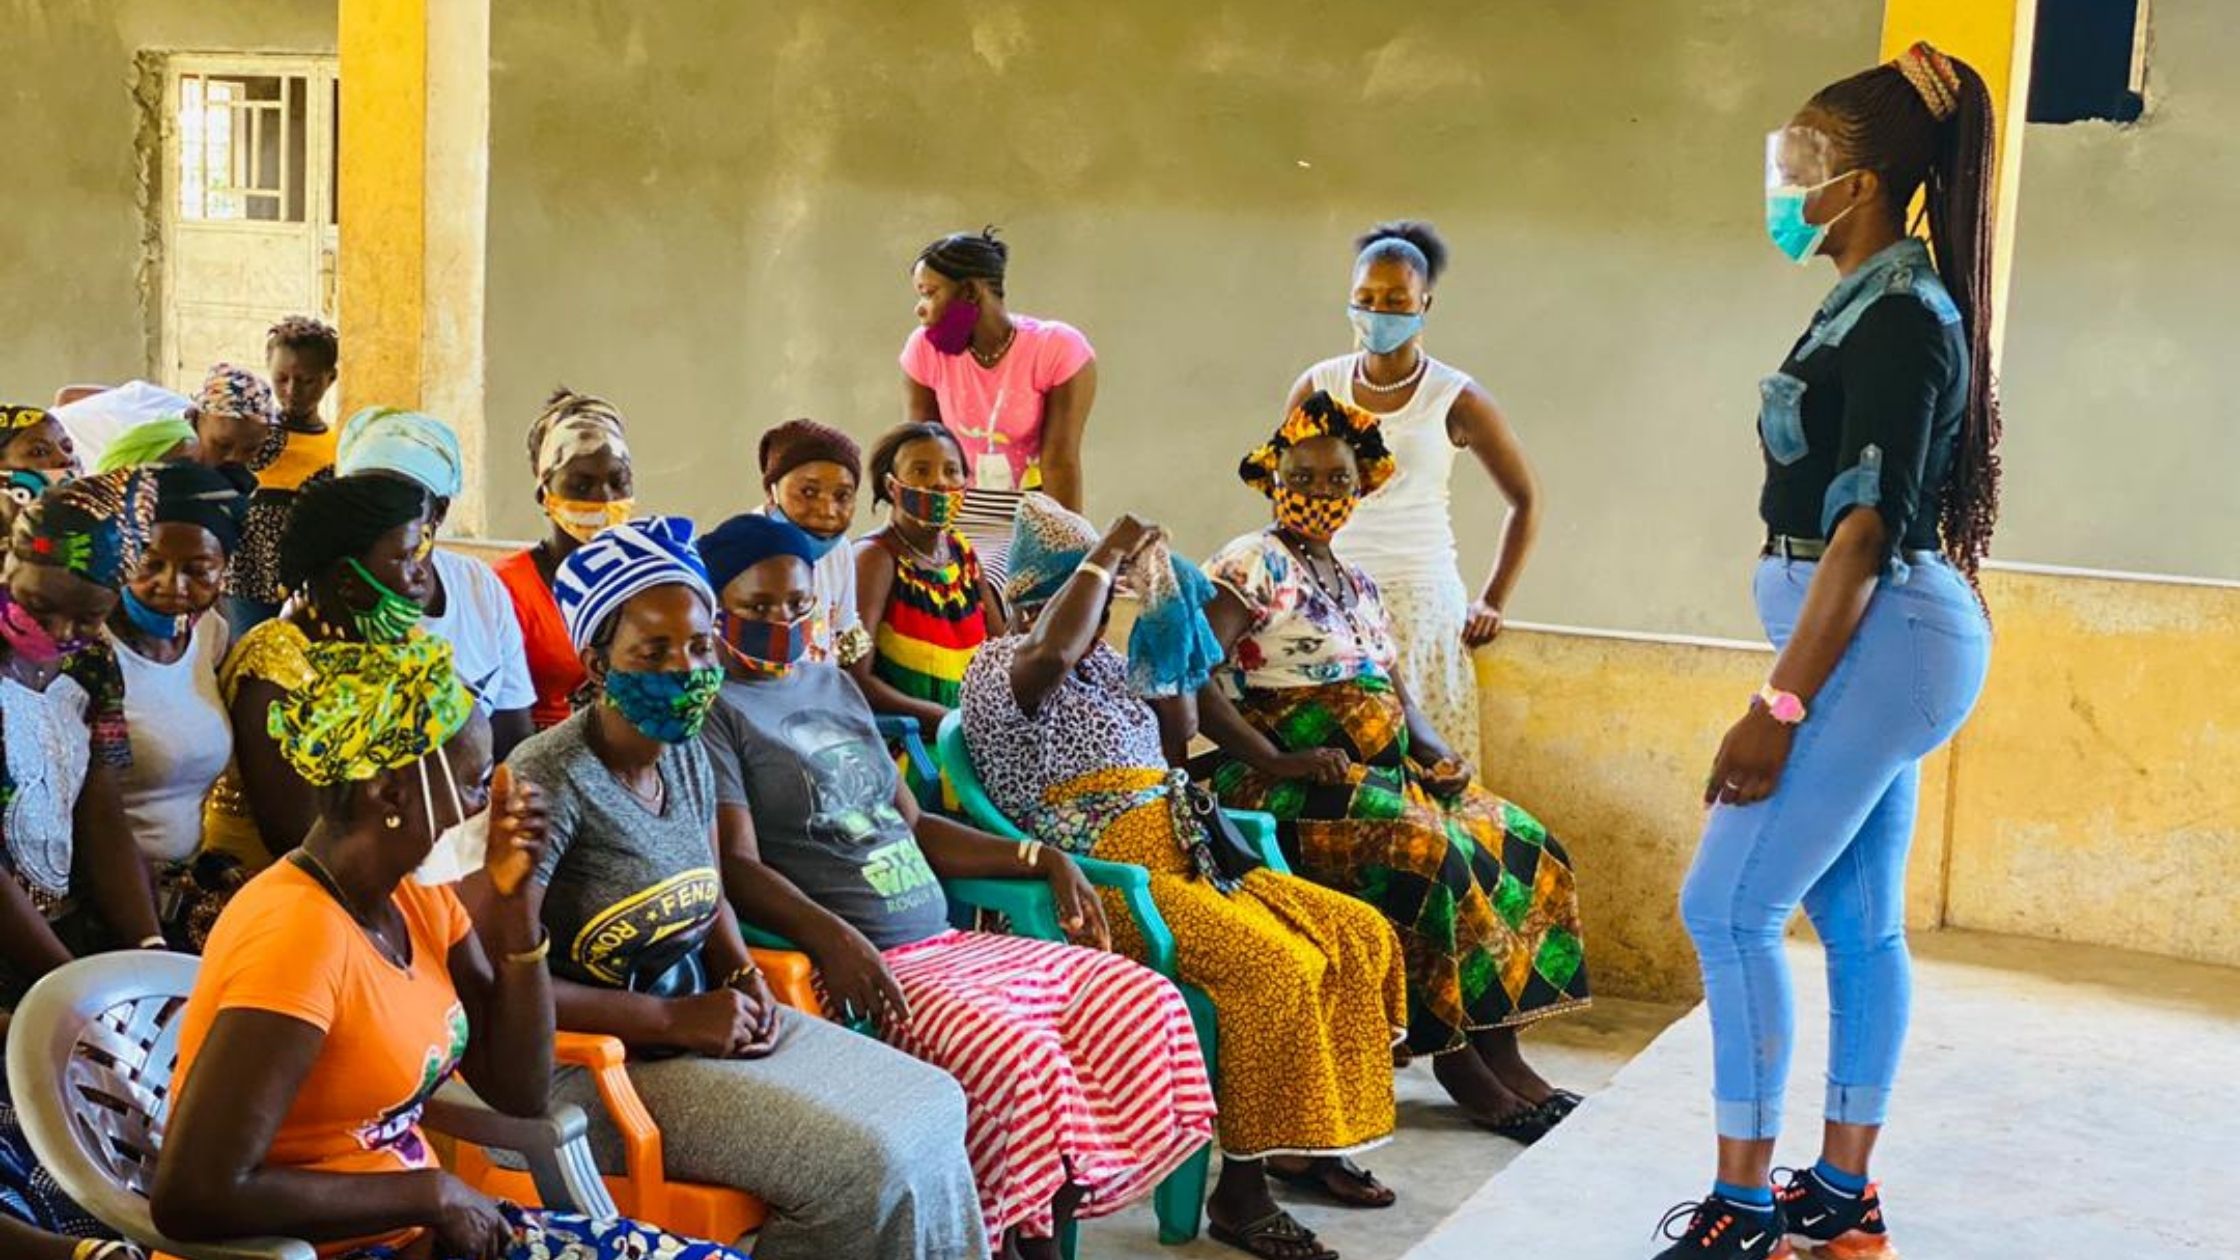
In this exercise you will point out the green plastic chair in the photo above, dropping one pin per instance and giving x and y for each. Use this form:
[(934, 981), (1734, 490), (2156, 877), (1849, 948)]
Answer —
[(1181, 1198)]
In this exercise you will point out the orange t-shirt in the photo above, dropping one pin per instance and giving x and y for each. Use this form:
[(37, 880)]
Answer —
[(555, 669), (285, 945)]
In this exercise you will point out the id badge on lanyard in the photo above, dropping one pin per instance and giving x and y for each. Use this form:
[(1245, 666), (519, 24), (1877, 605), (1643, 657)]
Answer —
[(991, 468)]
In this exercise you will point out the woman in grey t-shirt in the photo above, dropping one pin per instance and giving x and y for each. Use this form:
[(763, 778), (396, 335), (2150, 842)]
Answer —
[(857, 1149), (1082, 1076)]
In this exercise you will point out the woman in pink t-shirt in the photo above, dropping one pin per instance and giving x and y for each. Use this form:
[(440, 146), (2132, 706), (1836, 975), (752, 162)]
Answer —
[(1016, 390)]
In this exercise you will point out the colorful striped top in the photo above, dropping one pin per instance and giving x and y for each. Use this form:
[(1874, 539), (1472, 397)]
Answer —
[(932, 625)]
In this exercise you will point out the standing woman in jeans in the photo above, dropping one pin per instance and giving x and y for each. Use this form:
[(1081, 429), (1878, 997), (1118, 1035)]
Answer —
[(1881, 486)]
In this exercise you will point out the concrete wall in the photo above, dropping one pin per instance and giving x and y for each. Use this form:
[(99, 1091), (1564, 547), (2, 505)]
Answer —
[(2123, 437), (2094, 797), (706, 210), (70, 237)]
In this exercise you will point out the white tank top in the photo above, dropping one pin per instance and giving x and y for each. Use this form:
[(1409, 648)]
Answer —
[(1404, 532)]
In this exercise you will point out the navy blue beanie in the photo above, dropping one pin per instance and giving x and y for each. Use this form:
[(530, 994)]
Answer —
[(747, 540)]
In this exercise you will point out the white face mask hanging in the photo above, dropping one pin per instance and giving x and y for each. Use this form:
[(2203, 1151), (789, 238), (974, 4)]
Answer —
[(458, 850)]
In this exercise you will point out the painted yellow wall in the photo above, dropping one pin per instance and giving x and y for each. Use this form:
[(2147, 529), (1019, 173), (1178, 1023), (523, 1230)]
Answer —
[(2094, 797), (2100, 781), (383, 198)]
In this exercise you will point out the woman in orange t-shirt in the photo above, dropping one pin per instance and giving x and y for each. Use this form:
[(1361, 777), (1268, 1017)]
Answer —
[(337, 994), (584, 484)]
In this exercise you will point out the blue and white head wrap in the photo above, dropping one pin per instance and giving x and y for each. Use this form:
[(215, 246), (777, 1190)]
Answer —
[(600, 576)]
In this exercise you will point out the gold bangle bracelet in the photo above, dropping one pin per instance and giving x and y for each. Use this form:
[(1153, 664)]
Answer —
[(530, 957)]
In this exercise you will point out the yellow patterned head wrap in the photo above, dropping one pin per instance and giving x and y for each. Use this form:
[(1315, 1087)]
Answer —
[(369, 707), (1320, 415)]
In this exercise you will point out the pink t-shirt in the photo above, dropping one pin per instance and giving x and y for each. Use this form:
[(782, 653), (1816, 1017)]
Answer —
[(1000, 408)]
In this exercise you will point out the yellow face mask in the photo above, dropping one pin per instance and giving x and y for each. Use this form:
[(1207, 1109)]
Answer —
[(583, 518)]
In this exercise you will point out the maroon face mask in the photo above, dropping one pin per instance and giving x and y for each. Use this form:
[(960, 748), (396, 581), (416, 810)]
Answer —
[(952, 332)]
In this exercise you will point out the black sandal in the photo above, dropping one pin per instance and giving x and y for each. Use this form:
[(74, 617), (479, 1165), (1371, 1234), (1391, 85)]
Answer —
[(1275, 1228), (1523, 1127), (1322, 1170), (1561, 1103)]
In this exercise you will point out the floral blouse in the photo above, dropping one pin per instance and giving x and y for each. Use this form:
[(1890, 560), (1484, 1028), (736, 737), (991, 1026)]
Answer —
[(1299, 635)]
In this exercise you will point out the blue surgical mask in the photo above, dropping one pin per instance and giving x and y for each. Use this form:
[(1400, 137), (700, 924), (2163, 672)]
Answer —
[(819, 545), (1382, 332), (155, 625), (1785, 221)]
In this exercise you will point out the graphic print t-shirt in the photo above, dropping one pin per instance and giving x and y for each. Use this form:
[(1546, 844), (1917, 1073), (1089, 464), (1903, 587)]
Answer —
[(392, 1034), (625, 888), (804, 754)]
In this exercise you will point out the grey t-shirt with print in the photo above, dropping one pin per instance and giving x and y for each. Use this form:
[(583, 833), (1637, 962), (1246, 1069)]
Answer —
[(622, 883), (803, 753)]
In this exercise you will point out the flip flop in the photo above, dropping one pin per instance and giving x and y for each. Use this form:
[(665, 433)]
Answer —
[(1317, 1176), (1278, 1228)]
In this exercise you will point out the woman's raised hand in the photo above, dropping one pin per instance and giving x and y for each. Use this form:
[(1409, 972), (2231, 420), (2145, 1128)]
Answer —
[(517, 829)]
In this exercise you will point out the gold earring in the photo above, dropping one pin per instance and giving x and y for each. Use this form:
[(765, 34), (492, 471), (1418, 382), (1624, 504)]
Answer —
[(393, 821)]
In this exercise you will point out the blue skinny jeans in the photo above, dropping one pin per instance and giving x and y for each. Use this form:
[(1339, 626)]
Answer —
[(1833, 836)]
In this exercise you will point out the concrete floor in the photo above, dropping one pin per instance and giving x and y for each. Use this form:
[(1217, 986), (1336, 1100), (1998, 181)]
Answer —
[(2058, 1103), (1436, 1161)]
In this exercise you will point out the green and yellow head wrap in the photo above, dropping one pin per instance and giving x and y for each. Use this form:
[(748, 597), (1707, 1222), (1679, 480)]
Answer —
[(370, 707)]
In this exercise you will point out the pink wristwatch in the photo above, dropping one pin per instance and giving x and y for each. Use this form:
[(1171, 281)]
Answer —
[(1782, 706)]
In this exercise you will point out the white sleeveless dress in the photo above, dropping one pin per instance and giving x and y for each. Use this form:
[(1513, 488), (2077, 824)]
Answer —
[(1403, 536)]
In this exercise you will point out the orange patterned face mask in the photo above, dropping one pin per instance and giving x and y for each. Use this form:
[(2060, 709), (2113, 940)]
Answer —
[(1312, 517)]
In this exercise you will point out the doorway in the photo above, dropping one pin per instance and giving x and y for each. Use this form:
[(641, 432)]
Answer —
[(245, 206)]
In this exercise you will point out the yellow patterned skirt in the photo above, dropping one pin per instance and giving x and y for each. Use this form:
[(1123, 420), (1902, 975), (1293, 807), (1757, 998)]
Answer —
[(1307, 984)]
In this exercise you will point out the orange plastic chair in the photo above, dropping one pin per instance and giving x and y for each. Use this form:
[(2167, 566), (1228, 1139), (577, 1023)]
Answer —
[(643, 1192)]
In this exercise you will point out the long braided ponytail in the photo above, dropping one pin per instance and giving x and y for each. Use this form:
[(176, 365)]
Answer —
[(1923, 122)]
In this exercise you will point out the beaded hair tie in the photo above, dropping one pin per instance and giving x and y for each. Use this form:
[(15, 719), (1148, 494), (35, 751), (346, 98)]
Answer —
[(1931, 74)]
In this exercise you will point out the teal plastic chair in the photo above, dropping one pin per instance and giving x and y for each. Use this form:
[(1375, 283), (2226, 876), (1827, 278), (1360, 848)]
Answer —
[(920, 773), (1181, 1198)]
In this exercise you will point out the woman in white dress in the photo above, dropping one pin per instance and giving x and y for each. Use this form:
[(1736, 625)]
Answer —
[(1403, 535)]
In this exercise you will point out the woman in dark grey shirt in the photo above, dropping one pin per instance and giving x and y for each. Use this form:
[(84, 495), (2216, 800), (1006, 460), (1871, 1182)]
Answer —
[(857, 1148)]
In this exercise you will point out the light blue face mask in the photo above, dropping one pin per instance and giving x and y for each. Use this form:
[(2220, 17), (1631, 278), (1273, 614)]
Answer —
[(820, 545), (1785, 221), (1382, 332)]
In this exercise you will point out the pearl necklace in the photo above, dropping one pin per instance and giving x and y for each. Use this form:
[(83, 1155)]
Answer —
[(1361, 375)]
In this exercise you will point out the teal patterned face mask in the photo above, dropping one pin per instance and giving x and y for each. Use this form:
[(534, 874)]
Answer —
[(669, 705), (392, 616)]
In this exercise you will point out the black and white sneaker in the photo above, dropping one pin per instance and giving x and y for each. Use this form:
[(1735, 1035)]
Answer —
[(1830, 1223), (1717, 1229)]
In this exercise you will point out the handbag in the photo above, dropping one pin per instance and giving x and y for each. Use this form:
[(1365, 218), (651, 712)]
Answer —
[(1220, 851)]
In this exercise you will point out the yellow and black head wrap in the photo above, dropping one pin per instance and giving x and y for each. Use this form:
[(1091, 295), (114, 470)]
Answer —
[(1320, 415), (369, 707)]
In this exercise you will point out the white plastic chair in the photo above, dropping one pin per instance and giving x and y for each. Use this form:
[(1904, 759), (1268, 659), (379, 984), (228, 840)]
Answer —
[(91, 1050)]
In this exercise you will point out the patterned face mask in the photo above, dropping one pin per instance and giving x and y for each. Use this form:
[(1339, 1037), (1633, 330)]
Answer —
[(937, 508), (768, 648), (669, 705), (392, 616), (1312, 517)]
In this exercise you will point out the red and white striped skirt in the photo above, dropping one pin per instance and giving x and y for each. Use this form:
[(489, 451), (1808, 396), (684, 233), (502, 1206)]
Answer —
[(1076, 1066)]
